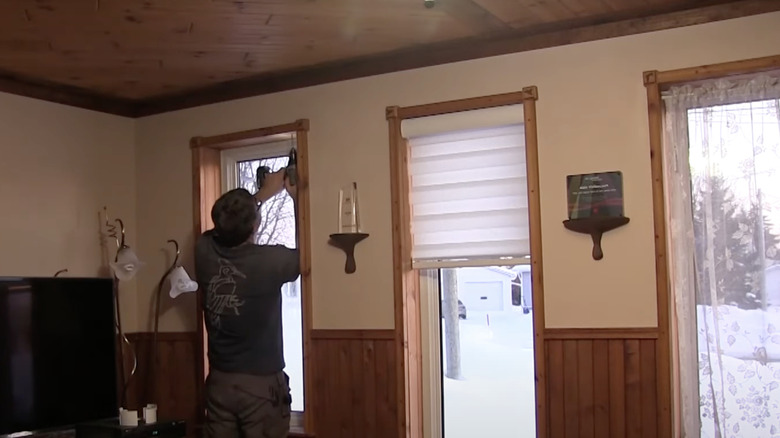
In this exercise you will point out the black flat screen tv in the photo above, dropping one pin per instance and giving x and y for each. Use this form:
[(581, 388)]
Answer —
[(57, 353)]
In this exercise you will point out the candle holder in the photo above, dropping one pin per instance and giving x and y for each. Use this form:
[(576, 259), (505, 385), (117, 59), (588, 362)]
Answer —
[(349, 233), (346, 242)]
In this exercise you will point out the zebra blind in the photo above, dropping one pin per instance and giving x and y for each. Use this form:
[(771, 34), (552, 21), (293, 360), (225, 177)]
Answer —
[(468, 186)]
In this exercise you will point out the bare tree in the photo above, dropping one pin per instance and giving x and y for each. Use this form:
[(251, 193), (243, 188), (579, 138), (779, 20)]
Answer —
[(277, 215), (277, 222), (451, 322)]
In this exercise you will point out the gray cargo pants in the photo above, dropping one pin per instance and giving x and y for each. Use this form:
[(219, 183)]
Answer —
[(247, 406)]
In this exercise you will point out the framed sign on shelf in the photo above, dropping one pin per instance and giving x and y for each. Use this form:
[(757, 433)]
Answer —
[(595, 205)]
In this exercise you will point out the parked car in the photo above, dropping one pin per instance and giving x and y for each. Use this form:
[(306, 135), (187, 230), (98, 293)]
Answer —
[(461, 310)]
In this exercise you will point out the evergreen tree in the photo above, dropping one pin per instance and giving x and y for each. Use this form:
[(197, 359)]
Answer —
[(736, 264)]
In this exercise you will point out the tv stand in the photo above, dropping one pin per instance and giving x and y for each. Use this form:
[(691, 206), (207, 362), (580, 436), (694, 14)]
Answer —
[(112, 429)]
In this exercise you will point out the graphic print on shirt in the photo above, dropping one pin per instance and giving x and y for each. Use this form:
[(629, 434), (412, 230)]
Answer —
[(221, 293)]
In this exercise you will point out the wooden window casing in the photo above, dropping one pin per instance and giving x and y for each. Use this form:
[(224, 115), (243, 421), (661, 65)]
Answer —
[(207, 187), (655, 82), (406, 280)]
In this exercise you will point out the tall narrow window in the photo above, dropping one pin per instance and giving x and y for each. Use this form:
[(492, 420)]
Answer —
[(277, 227), (722, 151), (470, 240)]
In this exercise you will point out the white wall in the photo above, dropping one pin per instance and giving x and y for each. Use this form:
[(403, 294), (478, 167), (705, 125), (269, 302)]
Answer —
[(592, 116), (58, 167)]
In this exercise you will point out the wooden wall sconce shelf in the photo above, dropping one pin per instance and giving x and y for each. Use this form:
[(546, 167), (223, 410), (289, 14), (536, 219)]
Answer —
[(595, 226), (346, 242)]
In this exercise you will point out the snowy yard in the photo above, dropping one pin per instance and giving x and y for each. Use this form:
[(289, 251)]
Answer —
[(495, 397), (293, 346), (741, 373)]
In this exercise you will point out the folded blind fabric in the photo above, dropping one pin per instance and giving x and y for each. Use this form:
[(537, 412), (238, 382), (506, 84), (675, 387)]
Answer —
[(462, 121), (468, 185)]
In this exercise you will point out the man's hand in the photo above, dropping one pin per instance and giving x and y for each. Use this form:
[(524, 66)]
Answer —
[(292, 190), (272, 185)]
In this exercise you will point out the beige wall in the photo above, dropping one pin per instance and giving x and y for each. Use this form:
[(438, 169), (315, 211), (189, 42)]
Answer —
[(58, 167), (591, 116)]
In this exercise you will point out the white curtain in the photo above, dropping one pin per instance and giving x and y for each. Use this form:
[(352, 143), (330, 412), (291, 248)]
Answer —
[(721, 158)]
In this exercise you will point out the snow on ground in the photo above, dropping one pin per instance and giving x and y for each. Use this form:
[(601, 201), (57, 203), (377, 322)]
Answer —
[(495, 396), (293, 348)]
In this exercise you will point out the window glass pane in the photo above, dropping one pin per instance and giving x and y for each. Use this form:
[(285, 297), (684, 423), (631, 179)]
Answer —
[(734, 155), (277, 227), (487, 352), (277, 224)]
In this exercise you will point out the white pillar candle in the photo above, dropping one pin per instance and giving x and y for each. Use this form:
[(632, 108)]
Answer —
[(150, 414)]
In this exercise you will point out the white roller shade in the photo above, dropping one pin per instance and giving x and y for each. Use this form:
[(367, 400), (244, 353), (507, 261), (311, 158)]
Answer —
[(462, 121), (468, 187)]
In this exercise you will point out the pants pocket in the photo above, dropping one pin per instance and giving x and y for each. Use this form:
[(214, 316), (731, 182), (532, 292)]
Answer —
[(286, 395)]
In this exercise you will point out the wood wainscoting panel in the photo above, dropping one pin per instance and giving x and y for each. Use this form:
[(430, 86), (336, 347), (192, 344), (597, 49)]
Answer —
[(596, 387), (602, 387), (173, 387), (355, 391)]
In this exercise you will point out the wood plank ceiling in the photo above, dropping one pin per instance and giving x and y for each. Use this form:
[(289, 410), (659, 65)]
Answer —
[(145, 56)]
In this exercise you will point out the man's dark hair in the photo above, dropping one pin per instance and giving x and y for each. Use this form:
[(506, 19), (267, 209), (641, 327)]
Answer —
[(234, 215)]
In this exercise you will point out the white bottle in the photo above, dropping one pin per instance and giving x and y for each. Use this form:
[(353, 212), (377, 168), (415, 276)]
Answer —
[(349, 217)]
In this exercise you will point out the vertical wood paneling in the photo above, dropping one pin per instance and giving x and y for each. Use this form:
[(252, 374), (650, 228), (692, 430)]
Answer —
[(601, 387), (585, 388), (357, 391), (387, 414), (354, 394), (173, 385), (601, 402), (649, 388), (571, 399), (596, 387), (617, 389), (633, 388), (369, 382), (555, 388), (344, 349)]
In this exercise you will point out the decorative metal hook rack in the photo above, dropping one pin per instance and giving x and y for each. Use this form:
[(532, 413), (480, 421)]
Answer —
[(119, 236)]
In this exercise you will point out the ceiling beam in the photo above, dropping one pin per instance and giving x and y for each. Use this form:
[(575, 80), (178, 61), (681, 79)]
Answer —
[(468, 12), (448, 52), (66, 95)]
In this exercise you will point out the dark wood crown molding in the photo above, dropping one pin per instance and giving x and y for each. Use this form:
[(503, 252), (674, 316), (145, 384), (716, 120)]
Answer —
[(66, 95), (500, 42)]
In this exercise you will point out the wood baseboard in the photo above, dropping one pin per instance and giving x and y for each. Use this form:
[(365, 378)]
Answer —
[(163, 336), (602, 333), (353, 334)]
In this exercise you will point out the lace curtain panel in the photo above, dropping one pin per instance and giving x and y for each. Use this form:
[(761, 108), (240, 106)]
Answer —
[(721, 163)]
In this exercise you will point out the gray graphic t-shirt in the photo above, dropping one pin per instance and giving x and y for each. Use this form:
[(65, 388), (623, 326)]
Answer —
[(242, 303)]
